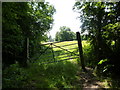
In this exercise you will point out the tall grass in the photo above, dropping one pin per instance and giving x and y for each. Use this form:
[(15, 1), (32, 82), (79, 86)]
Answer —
[(53, 75)]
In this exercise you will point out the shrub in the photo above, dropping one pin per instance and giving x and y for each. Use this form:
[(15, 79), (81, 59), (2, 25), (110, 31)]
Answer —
[(88, 55), (14, 77), (104, 68)]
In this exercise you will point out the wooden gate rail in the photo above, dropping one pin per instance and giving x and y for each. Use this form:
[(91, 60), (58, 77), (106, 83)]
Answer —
[(69, 44), (59, 60), (53, 59), (65, 50)]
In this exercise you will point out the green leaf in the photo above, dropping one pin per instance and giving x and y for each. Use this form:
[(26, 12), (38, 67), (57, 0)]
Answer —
[(101, 61)]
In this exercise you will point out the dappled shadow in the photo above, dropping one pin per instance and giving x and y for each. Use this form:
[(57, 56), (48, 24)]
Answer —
[(54, 75), (88, 80), (114, 82)]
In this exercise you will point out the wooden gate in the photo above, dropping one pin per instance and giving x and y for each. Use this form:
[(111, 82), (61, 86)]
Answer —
[(61, 51)]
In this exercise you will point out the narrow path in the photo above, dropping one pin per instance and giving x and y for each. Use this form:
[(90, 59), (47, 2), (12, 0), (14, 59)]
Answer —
[(88, 80)]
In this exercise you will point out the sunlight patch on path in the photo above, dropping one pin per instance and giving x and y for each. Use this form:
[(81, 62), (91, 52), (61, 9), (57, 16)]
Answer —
[(90, 81)]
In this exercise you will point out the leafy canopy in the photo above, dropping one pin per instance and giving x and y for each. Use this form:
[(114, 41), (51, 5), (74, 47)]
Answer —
[(65, 34)]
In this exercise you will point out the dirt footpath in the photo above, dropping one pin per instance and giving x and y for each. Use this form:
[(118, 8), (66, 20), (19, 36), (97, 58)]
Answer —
[(90, 81)]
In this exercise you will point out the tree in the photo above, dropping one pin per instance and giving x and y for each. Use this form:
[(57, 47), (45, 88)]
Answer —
[(84, 37), (50, 39), (21, 21), (65, 34), (101, 21)]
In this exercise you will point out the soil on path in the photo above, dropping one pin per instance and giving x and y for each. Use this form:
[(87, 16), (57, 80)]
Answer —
[(89, 80)]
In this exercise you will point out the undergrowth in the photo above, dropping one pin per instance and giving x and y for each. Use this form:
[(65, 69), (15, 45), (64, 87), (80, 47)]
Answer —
[(37, 75), (53, 75), (57, 75)]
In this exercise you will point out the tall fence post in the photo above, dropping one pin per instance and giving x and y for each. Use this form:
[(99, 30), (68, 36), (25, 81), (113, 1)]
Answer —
[(80, 50)]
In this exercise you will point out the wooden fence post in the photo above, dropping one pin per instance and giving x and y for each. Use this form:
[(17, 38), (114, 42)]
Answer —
[(80, 51), (27, 48)]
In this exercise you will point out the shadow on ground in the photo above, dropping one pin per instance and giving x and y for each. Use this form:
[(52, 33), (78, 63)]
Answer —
[(89, 80)]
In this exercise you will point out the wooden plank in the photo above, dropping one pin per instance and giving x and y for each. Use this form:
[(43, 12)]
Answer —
[(64, 49), (58, 60), (68, 45)]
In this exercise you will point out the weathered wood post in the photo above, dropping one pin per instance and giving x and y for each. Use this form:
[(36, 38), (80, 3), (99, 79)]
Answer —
[(27, 48), (80, 50)]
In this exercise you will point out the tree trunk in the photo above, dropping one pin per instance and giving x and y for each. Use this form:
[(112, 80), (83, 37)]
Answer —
[(23, 61)]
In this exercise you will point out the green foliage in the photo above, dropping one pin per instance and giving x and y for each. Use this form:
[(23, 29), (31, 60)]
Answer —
[(102, 61), (84, 37), (65, 34), (53, 75), (88, 54), (20, 21), (14, 77), (61, 74), (101, 21), (111, 31), (104, 68), (56, 75)]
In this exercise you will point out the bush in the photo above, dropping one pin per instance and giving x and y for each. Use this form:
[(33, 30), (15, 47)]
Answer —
[(89, 55), (54, 75), (103, 68), (14, 77), (61, 75)]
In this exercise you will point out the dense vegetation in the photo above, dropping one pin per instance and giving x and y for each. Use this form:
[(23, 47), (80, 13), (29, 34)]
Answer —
[(21, 21), (53, 75), (28, 22), (65, 34), (102, 22)]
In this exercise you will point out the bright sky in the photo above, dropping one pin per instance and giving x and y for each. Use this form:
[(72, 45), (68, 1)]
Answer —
[(64, 16)]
